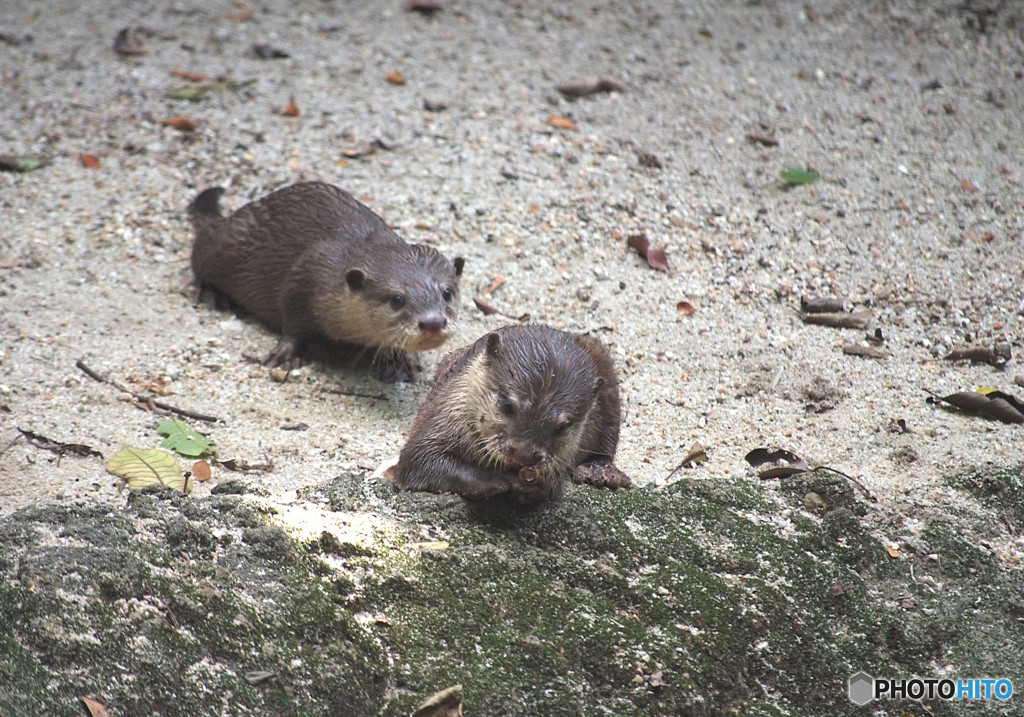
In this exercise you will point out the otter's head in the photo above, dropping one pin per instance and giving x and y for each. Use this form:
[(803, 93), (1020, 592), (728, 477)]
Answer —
[(538, 388), (408, 298)]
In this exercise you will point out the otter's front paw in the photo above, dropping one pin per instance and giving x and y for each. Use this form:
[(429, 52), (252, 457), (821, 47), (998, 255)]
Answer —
[(286, 355), (601, 474)]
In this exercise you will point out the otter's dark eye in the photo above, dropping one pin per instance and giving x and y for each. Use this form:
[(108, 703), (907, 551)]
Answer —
[(562, 428), (397, 302), (448, 294), (506, 406)]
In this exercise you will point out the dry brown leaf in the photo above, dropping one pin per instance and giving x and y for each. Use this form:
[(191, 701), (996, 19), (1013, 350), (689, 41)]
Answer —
[(695, 455), (96, 708), (993, 404), (893, 552), (583, 86), (180, 123), (265, 51), (446, 703), (498, 281), (842, 320), (821, 305), (995, 356), (191, 76), (685, 308), (128, 41), (396, 78), (655, 256), (291, 109), (968, 186), (425, 7), (201, 471), (765, 140), (90, 161), (386, 469), (649, 159), (486, 307), (874, 352), (790, 463), (562, 122), (241, 16), (233, 464)]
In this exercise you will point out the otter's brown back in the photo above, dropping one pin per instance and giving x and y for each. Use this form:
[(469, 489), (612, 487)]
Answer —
[(249, 254)]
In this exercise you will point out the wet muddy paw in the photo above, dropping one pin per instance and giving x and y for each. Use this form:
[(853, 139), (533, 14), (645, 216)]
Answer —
[(601, 475), (285, 355)]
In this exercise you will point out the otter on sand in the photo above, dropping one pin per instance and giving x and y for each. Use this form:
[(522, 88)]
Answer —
[(311, 262), (516, 413)]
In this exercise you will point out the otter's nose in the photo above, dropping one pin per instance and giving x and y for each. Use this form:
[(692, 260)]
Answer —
[(433, 324), (520, 455)]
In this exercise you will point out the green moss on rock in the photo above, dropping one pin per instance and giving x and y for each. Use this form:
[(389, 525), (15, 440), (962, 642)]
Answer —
[(607, 603)]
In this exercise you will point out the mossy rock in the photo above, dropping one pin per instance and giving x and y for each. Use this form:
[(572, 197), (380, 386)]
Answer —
[(620, 603)]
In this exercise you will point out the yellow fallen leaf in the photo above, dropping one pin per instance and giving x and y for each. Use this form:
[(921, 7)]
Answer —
[(141, 467)]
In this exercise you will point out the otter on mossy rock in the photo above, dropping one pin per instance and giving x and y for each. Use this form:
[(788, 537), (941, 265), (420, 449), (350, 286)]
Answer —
[(311, 262), (515, 414)]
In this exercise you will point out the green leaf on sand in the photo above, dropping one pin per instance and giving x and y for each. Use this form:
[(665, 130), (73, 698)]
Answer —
[(14, 163), (183, 439), (147, 466), (794, 175)]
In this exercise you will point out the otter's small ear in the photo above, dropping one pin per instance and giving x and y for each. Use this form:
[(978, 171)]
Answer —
[(493, 345), (599, 382), (459, 263), (356, 279)]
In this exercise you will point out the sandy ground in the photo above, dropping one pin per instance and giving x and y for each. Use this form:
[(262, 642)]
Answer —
[(912, 112)]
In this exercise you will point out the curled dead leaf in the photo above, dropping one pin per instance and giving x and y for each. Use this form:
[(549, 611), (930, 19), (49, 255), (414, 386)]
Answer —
[(821, 305), (840, 320), (591, 84), (560, 122), (694, 456), (291, 109), (655, 256), (788, 463), (995, 356), (445, 703), (893, 552), (396, 78), (128, 40), (180, 123), (992, 404), (486, 307), (233, 464), (386, 469), (89, 161), (766, 140), (685, 308), (424, 7), (865, 350), (265, 51)]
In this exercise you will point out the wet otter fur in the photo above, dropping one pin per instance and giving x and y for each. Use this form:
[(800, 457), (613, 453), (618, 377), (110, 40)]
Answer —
[(312, 263), (515, 414)]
